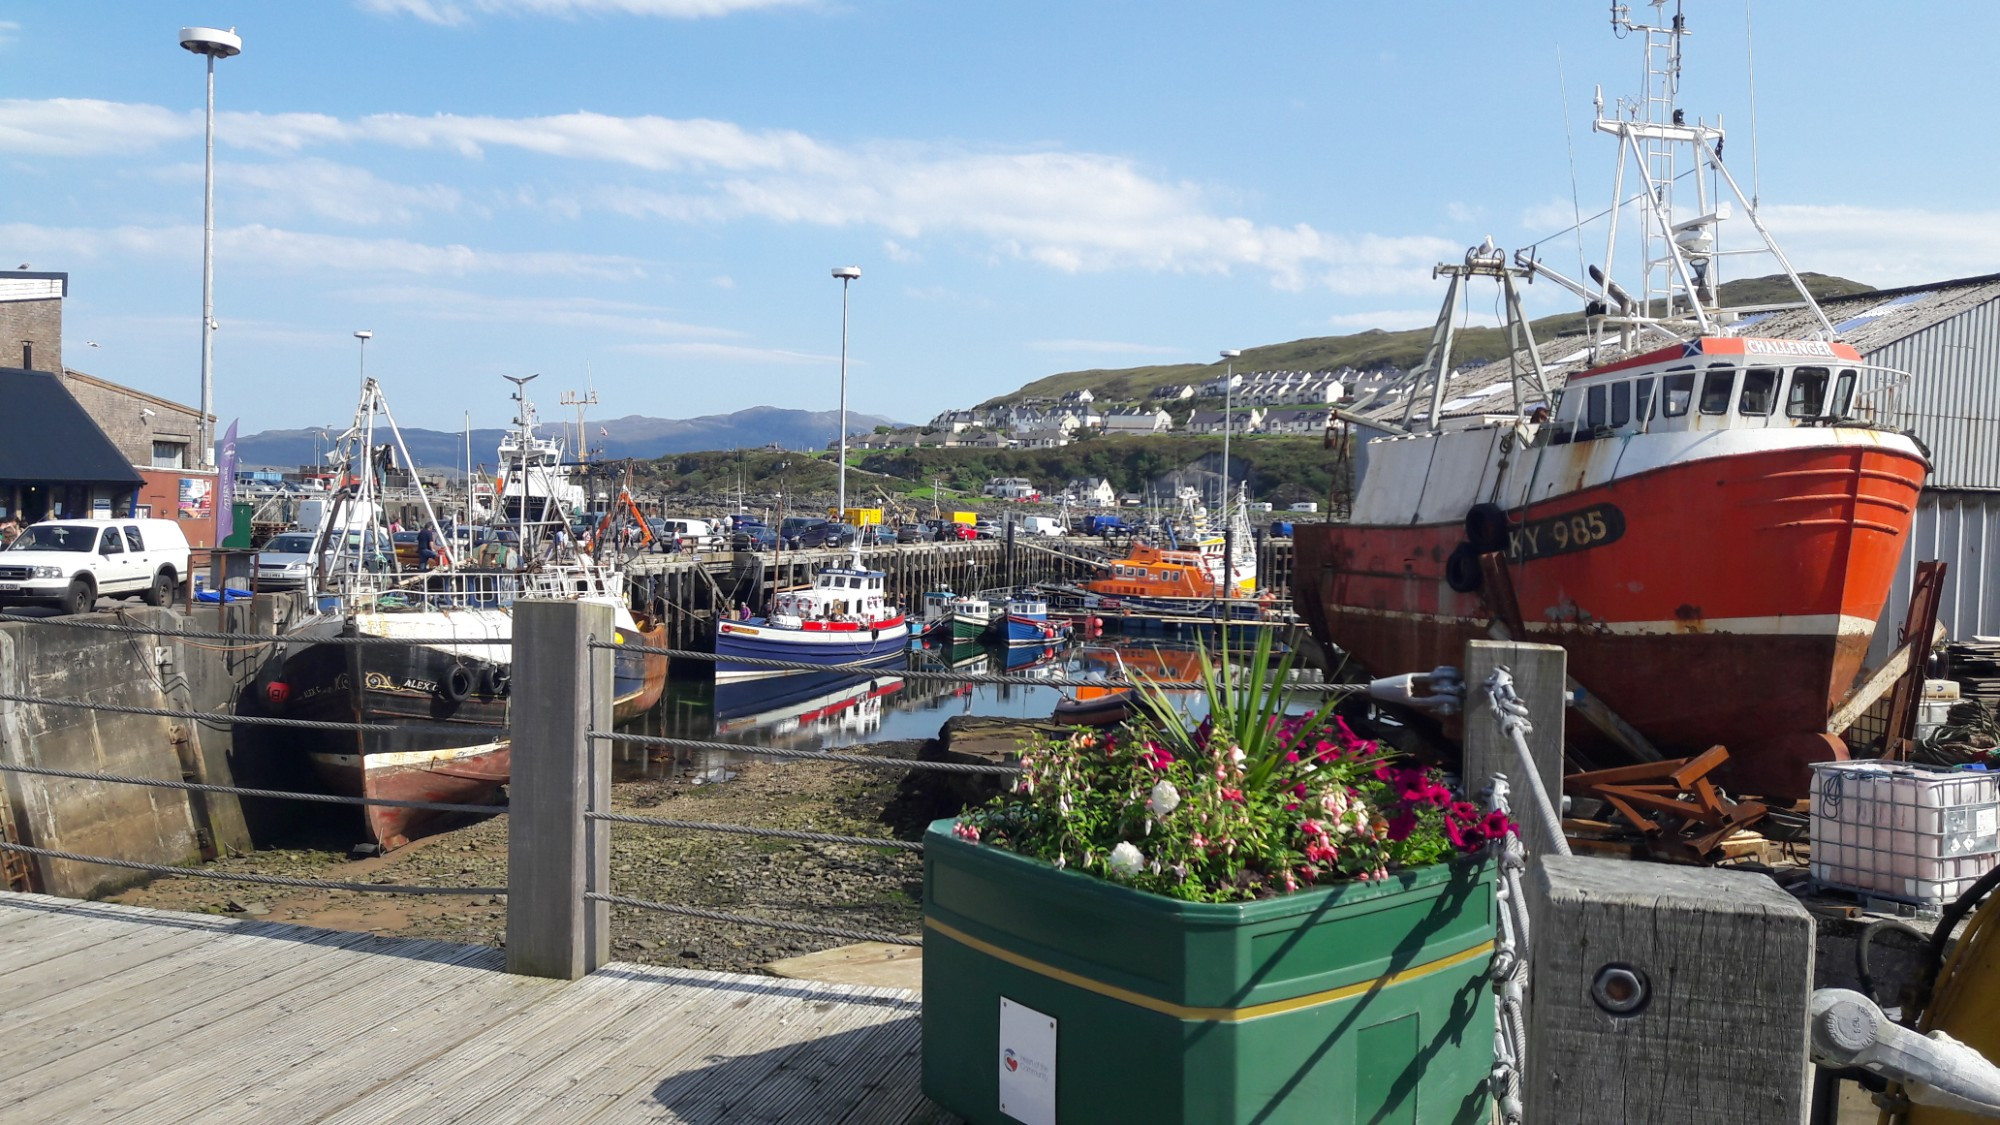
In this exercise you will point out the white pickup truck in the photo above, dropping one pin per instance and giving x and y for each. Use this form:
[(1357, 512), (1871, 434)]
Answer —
[(70, 563)]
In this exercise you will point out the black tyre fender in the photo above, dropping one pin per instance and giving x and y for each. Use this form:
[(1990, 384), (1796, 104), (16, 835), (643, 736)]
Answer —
[(1486, 527), (498, 681), (455, 685), (81, 596), (1461, 570)]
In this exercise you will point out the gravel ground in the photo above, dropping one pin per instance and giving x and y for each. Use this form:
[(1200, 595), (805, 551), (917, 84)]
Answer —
[(875, 889)]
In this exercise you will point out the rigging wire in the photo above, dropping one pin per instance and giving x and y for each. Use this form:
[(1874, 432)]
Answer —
[(1750, 52), (1569, 143)]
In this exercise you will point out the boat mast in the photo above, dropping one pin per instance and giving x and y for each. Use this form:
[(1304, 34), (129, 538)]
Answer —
[(523, 441)]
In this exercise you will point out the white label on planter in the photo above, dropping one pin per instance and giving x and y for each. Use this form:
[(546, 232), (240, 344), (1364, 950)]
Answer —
[(1027, 1064)]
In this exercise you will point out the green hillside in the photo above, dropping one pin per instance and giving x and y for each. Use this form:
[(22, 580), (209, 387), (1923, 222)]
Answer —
[(1376, 348), (1277, 468)]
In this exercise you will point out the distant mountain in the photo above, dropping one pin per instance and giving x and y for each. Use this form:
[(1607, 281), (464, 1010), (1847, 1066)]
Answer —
[(631, 436)]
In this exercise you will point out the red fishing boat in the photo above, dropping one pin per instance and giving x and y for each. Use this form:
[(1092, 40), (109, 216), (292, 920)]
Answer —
[(1708, 521)]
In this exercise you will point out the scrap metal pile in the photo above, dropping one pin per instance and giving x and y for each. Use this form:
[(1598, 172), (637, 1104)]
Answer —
[(1677, 812)]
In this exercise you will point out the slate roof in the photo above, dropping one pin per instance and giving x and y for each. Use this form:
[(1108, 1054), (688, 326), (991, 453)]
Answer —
[(45, 435)]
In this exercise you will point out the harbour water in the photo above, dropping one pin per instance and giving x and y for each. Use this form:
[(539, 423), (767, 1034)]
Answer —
[(834, 711)]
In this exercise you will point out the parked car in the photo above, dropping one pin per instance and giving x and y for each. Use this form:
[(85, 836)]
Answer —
[(286, 561), (1041, 525), (915, 533), (753, 537), (987, 529), (805, 532), (958, 531), (406, 549), (69, 563)]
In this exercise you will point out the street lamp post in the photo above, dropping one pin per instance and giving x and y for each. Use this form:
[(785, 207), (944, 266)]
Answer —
[(211, 43), (1229, 356), (845, 274)]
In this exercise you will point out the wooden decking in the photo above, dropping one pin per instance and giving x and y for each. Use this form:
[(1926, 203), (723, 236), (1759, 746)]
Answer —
[(115, 1013)]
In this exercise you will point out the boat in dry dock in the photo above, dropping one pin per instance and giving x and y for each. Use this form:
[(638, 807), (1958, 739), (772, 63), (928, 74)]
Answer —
[(1706, 516)]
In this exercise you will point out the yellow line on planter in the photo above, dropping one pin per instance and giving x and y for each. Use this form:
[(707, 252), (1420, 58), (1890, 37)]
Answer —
[(1219, 1015)]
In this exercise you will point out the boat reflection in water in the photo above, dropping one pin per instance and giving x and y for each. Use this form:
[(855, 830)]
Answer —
[(836, 711)]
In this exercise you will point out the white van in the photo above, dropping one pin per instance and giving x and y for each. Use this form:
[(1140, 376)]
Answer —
[(1306, 506), (700, 533), (1041, 525), (70, 563)]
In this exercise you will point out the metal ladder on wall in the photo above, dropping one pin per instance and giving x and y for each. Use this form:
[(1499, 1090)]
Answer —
[(14, 868)]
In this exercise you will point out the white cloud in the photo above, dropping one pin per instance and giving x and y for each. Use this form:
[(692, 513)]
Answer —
[(722, 281), (1073, 212), (729, 353), (255, 248), (591, 314), (1113, 347), (282, 191), (897, 252), (1883, 247), (457, 12), (8, 30)]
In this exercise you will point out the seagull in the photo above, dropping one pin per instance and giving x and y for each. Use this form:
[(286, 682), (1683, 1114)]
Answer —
[(92, 343), (22, 266)]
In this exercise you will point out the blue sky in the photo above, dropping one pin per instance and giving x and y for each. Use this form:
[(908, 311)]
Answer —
[(645, 197)]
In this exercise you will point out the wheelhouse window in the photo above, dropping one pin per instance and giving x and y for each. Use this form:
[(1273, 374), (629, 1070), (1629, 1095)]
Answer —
[(1716, 387), (1806, 398), (1621, 404), (1843, 394), (1645, 399), (1595, 414), (1678, 391), (1760, 392)]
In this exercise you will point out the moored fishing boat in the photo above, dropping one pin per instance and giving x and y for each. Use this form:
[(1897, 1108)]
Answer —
[(1706, 518), (842, 618), (435, 658), (1026, 623)]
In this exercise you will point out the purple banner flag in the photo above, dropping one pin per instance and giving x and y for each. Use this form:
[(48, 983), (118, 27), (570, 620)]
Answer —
[(225, 487)]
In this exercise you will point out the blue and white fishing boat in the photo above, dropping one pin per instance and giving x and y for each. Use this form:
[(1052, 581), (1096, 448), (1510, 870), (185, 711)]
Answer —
[(842, 618), (1027, 623)]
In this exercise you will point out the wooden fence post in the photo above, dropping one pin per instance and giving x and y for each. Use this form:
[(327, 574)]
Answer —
[(1539, 673), (1665, 994), (561, 690)]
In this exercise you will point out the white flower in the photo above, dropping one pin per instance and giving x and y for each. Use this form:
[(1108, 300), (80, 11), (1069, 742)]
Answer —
[(1126, 860), (1165, 799)]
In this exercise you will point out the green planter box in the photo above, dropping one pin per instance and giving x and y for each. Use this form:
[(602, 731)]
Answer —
[(1367, 1002)]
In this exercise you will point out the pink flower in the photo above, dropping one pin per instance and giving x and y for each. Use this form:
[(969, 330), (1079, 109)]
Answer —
[(1198, 840), (1312, 828), (1401, 825), (1156, 756), (965, 831), (1235, 795), (1321, 852)]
